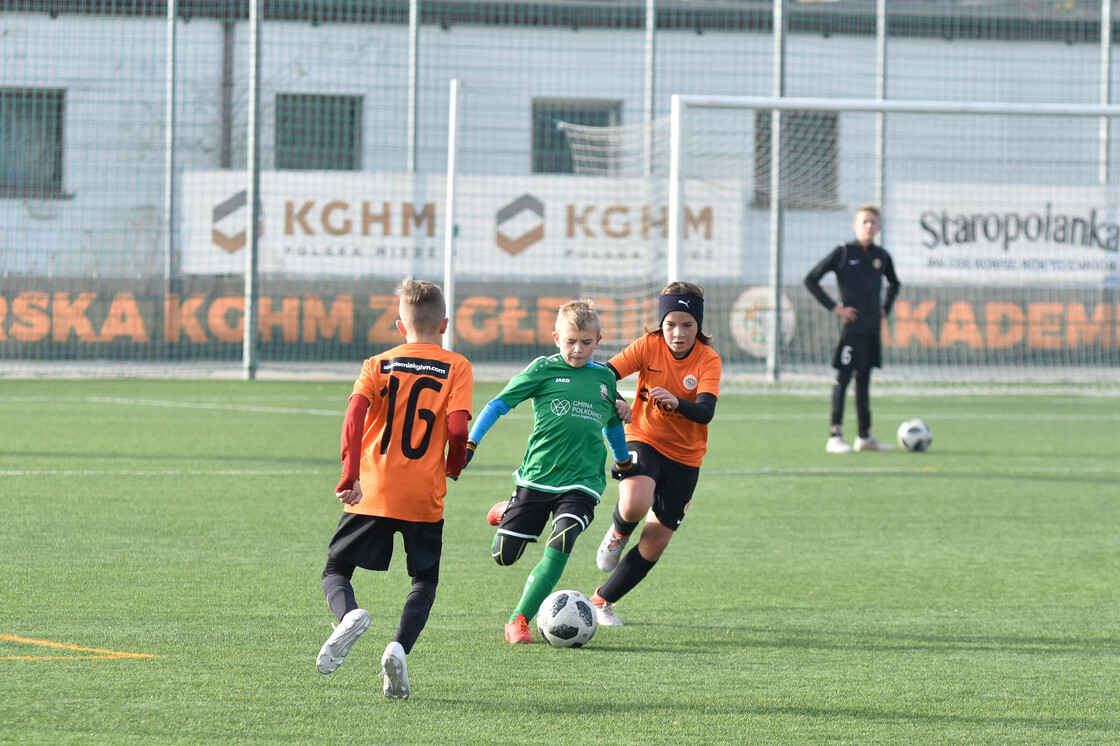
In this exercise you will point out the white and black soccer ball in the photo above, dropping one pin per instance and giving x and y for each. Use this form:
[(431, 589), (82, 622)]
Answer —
[(567, 619), (915, 435)]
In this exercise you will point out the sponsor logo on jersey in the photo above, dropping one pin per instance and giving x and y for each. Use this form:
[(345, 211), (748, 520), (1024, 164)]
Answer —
[(563, 380), (419, 366), (561, 407)]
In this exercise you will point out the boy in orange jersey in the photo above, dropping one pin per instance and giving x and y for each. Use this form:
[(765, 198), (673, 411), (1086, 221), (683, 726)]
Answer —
[(678, 385), (394, 476)]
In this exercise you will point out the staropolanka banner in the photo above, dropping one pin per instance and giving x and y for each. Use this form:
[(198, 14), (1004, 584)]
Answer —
[(1004, 235)]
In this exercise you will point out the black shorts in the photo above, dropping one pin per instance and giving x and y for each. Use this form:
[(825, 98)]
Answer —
[(858, 352), (674, 482), (529, 510), (367, 541)]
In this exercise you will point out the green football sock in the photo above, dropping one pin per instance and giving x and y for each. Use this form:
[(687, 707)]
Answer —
[(541, 582)]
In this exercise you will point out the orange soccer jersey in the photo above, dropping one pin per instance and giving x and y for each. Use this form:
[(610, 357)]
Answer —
[(669, 432), (412, 388)]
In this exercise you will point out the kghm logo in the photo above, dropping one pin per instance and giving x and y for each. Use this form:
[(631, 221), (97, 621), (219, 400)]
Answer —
[(514, 246), (224, 241), (234, 243)]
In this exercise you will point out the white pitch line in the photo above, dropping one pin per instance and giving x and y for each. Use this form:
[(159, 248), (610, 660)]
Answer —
[(155, 472), (117, 401), (917, 470), (733, 416), (496, 470), (1088, 416)]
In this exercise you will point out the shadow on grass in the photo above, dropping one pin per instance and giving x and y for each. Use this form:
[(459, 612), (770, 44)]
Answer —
[(628, 707), (708, 639), (169, 460)]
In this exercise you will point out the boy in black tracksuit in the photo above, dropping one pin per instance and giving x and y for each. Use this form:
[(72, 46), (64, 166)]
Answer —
[(860, 267)]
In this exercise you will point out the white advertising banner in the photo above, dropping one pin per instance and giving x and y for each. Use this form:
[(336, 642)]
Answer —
[(1003, 235), (508, 227)]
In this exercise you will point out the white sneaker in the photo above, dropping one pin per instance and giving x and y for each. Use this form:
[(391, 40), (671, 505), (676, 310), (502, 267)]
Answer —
[(395, 671), (604, 611), (837, 444), (610, 550), (345, 634), (870, 444)]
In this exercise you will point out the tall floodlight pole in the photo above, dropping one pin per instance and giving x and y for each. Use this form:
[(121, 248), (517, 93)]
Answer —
[(252, 191), (880, 94), (450, 228), (651, 42), (169, 157), (413, 79), (774, 327), (1106, 88), (676, 191)]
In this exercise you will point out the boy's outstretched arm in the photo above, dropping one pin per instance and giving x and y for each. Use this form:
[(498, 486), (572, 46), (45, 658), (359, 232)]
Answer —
[(616, 439), (494, 409), (456, 443), (349, 490)]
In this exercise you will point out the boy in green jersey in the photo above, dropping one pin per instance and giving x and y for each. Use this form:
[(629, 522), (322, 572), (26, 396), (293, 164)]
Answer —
[(561, 474)]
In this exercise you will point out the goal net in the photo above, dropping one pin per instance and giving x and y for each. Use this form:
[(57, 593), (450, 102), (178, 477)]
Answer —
[(1002, 222), (636, 154)]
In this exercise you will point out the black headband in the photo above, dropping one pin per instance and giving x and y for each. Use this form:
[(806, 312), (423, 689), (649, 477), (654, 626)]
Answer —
[(687, 302)]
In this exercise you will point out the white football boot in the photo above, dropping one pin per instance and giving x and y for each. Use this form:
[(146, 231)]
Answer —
[(610, 550), (871, 444), (345, 634), (837, 444), (604, 611), (395, 671)]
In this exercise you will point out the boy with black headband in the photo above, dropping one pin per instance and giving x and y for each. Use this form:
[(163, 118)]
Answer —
[(678, 385)]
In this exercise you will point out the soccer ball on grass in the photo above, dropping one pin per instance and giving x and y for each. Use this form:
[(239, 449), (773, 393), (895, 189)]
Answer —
[(915, 435), (567, 619)]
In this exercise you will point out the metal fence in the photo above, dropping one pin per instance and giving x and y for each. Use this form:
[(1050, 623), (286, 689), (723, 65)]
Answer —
[(136, 134)]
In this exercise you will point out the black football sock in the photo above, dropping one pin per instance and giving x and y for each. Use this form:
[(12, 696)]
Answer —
[(631, 570), (623, 528), (339, 593), (414, 616)]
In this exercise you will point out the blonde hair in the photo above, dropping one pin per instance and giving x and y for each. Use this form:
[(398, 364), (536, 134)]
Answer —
[(873, 209), (684, 288), (423, 304), (581, 314)]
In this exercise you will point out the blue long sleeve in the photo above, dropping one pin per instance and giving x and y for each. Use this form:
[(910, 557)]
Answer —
[(494, 409), (616, 439)]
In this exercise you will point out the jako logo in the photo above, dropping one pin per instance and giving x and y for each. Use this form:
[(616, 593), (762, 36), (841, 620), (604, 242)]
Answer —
[(236, 242), (515, 246)]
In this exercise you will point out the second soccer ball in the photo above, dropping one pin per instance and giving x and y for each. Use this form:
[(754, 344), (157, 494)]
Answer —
[(915, 435)]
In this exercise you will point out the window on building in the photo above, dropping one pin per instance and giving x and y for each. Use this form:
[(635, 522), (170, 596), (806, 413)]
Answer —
[(809, 159), (318, 133), (551, 152), (31, 142)]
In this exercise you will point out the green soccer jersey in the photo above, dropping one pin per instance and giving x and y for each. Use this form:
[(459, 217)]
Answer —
[(571, 406)]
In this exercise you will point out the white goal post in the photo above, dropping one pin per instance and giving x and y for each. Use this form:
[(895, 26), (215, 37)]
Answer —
[(1057, 158)]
